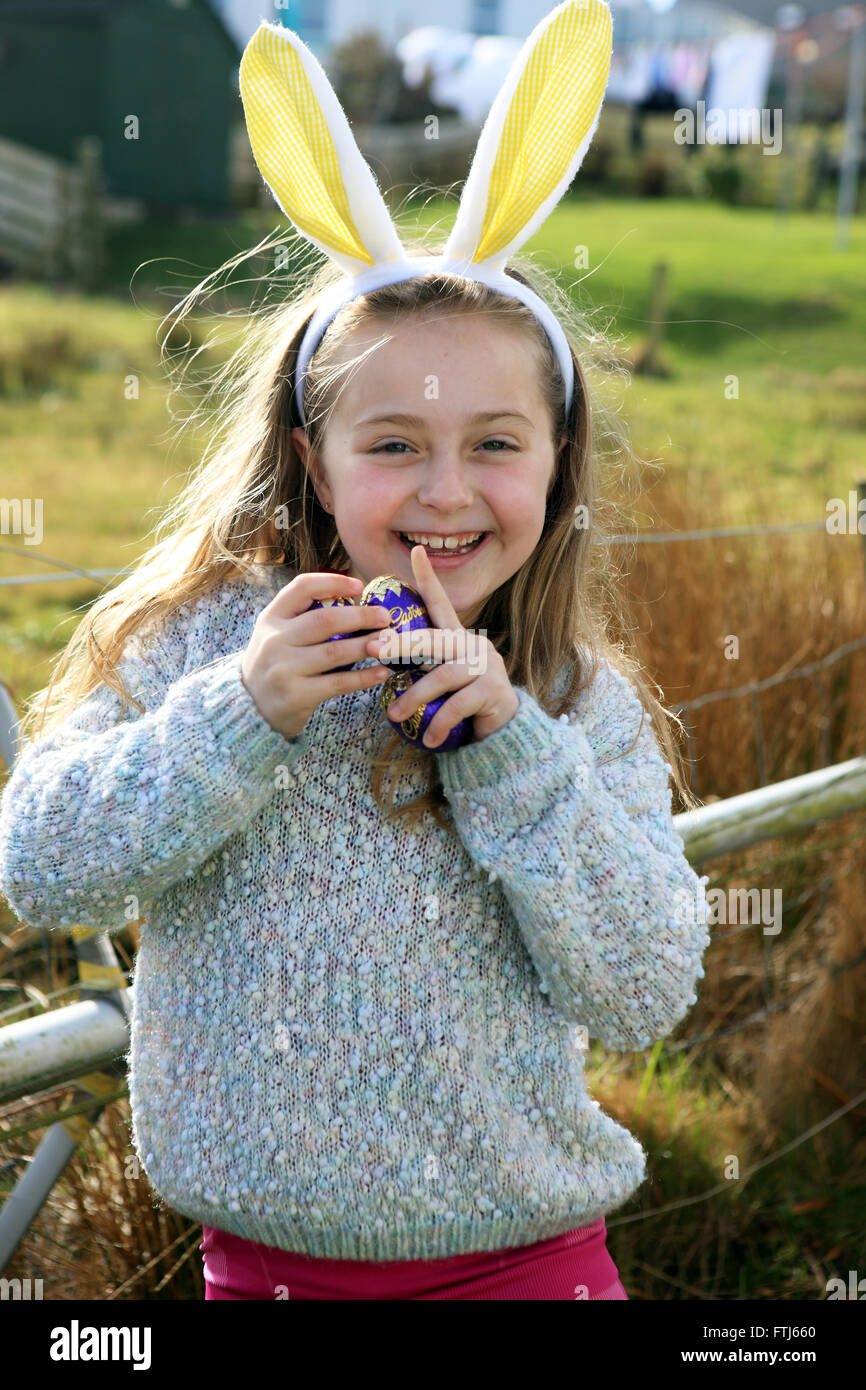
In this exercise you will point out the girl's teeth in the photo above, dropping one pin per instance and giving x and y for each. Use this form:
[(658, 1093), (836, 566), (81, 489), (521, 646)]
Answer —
[(438, 545)]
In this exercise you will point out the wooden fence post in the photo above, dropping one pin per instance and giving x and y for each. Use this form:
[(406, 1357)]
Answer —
[(89, 222), (861, 511), (647, 360)]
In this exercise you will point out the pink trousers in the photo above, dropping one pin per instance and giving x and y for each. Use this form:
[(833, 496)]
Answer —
[(576, 1265)]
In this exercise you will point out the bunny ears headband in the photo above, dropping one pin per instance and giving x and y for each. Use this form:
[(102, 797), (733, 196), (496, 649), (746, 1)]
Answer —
[(532, 144)]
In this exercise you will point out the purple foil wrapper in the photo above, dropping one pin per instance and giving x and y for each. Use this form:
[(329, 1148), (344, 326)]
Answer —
[(339, 602), (406, 609), (413, 728)]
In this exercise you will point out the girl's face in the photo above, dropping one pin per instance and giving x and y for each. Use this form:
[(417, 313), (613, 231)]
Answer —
[(442, 431)]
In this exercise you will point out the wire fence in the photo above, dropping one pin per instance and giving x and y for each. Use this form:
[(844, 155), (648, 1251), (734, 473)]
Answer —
[(625, 538), (713, 533), (753, 689), (727, 1185)]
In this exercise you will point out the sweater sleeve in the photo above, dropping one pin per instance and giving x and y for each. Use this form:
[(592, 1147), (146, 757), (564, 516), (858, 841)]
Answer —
[(114, 802), (574, 819)]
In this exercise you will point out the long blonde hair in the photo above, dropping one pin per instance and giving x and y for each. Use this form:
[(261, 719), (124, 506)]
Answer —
[(251, 501)]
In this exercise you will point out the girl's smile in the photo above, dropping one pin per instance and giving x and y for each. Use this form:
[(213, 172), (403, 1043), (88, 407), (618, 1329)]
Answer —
[(444, 558)]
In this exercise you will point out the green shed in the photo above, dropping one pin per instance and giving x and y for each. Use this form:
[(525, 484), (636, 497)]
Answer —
[(156, 80)]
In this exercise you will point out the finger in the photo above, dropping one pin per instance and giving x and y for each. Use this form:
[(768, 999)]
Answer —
[(318, 624), (436, 601), (350, 617), (442, 680), (463, 704), (331, 655), (429, 645), (330, 652), (295, 598), (326, 685), (407, 648), (459, 705)]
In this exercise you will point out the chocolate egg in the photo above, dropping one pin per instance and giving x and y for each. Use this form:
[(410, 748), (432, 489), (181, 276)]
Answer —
[(405, 607), (340, 602), (413, 728)]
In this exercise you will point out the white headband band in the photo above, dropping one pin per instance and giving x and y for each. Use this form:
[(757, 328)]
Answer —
[(392, 273), (530, 148)]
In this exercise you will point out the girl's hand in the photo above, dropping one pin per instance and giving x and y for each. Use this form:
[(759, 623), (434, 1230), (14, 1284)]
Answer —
[(470, 665), (288, 666)]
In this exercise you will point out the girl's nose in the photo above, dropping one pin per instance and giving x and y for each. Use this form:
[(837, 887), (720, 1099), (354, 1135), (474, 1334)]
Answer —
[(445, 488)]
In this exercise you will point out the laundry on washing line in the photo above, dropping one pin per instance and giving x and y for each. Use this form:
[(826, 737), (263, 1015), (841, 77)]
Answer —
[(645, 68), (467, 70), (687, 71), (739, 75)]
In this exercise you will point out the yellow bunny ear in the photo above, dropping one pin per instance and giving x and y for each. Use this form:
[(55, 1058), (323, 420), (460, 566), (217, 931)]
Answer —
[(536, 134), (307, 154)]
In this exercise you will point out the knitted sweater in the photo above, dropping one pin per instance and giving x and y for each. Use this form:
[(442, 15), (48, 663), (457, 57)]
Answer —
[(349, 1039)]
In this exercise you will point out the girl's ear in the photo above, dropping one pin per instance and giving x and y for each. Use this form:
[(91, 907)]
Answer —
[(307, 154), (536, 134), (310, 460), (301, 443)]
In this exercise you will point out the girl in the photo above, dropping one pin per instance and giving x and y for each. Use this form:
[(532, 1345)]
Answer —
[(359, 1023)]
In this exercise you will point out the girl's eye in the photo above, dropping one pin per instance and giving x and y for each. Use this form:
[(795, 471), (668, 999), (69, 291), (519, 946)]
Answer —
[(400, 444)]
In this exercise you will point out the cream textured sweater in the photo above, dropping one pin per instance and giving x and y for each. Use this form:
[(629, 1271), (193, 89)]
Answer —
[(350, 1040)]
